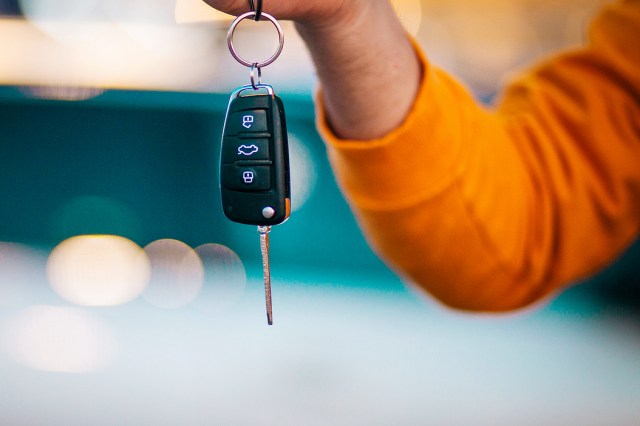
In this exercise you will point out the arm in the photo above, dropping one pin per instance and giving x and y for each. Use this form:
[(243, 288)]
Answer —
[(494, 210), (486, 210)]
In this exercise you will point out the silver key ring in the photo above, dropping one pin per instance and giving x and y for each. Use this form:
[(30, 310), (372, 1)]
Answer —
[(235, 54), (252, 74)]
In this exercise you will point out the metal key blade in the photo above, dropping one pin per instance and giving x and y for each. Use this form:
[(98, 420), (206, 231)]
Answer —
[(266, 269)]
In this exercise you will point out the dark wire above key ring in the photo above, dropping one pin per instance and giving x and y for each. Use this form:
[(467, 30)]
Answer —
[(235, 54), (257, 8)]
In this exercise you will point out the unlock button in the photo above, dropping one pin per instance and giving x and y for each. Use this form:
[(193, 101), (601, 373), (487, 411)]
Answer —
[(254, 178)]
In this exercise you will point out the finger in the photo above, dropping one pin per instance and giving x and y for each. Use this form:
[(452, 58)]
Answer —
[(232, 7)]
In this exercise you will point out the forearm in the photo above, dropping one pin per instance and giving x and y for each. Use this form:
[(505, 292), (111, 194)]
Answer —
[(368, 70)]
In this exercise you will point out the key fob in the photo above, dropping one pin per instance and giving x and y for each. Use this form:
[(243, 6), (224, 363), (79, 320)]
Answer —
[(254, 158)]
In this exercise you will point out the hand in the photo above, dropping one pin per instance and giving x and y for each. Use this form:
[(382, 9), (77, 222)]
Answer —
[(356, 45)]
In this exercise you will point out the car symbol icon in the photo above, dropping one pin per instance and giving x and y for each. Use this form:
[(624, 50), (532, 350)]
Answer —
[(247, 150)]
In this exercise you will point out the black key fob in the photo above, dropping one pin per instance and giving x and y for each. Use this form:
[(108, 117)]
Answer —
[(254, 158)]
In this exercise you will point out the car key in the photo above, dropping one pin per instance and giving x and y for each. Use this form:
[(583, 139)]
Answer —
[(254, 154), (254, 168), (254, 161)]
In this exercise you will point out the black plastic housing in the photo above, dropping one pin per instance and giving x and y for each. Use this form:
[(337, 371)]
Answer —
[(254, 159)]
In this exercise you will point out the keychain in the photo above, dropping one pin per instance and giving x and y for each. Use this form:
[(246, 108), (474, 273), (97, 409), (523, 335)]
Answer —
[(254, 157)]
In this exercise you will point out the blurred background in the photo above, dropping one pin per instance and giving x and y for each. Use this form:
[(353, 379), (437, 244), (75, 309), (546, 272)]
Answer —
[(127, 298)]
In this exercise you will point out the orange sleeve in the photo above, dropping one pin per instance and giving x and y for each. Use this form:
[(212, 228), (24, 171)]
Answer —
[(495, 209)]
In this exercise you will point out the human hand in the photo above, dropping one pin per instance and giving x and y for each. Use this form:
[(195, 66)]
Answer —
[(340, 35)]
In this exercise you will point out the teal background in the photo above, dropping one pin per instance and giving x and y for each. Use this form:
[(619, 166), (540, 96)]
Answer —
[(156, 155)]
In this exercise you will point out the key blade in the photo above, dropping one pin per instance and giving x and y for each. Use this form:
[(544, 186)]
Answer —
[(266, 269)]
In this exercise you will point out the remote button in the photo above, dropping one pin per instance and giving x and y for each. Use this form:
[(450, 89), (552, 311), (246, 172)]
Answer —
[(248, 178), (247, 121), (235, 149)]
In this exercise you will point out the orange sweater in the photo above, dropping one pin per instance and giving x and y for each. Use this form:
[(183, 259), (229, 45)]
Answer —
[(494, 210)]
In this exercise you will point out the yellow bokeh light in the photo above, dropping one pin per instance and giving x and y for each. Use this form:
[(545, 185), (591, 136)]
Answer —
[(98, 270)]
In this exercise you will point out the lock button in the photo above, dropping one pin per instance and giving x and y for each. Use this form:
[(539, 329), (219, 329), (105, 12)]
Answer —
[(246, 178), (254, 121)]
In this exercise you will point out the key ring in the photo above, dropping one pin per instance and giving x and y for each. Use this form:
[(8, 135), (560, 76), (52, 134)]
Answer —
[(252, 75), (232, 30)]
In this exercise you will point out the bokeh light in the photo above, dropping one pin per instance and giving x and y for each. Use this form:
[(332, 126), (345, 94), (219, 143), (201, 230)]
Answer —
[(176, 274), (225, 278), (98, 270), (61, 93), (59, 339), (303, 172)]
